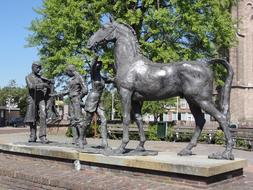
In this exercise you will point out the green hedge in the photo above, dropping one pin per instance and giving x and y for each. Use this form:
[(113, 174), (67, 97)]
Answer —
[(90, 131), (218, 137)]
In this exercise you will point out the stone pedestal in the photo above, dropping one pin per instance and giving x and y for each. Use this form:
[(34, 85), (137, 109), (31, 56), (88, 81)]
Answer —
[(197, 170)]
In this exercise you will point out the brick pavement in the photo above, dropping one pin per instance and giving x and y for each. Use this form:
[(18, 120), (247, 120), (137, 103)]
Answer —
[(22, 172), (9, 130)]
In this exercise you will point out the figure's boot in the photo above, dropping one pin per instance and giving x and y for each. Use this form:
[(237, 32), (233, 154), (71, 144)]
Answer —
[(82, 138), (84, 135), (75, 135), (104, 142), (44, 140), (85, 126), (33, 137)]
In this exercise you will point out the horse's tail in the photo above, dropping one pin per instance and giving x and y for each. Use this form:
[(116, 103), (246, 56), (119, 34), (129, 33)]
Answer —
[(226, 89)]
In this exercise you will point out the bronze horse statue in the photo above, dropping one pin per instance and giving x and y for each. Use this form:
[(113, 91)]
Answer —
[(138, 79)]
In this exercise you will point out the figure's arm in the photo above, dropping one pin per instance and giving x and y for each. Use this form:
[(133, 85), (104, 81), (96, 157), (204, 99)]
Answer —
[(48, 81), (108, 79), (41, 86), (84, 90), (59, 94), (30, 84), (93, 68)]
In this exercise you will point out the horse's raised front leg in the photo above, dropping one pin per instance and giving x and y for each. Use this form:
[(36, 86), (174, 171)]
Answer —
[(126, 96), (136, 108), (200, 122)]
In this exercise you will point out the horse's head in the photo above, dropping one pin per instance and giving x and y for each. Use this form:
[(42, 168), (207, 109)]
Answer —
[(104, 34)]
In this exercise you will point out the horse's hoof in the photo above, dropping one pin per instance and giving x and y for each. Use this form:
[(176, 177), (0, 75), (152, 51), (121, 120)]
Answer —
[(226, 155), (85, 142), (185, 152), (81, 146), (139, 149), (108, 151), (104, 146), (108, 148), (216, 155), (119, 151)]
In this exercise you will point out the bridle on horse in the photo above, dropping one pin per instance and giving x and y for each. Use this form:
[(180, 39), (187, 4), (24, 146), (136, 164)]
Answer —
[(106, 37), (109, 33)]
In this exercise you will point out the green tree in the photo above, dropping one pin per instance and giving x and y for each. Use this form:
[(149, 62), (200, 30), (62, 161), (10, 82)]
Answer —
[(107, 103), (157, 108), (17, 95), (166, 30)]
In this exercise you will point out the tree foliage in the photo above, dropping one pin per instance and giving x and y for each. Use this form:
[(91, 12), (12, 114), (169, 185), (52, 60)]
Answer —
[(157, 108), (17, 95), (166, 30), (107, 103)]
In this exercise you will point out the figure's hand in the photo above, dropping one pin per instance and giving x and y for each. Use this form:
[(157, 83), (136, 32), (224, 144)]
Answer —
[(41, 86), (95, 59), (84, 93), (53, 95), (108, 79), (52, 81), (56, 94), (46, 85)]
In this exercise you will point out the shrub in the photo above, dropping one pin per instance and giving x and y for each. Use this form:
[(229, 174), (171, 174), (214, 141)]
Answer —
[(203, 137), (152, 133), (243, 144), (69, 132), (185, 137), (90, 131), (219, 137), (134, 137), (170, 134)]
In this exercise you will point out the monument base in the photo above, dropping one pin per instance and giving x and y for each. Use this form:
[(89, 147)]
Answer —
[(196, 170)]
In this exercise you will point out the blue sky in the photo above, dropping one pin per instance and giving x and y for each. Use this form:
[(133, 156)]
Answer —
[(15, 58)]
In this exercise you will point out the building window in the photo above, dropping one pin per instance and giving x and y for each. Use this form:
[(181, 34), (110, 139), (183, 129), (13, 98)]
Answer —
[(183, 104), (190, 117), (174, 116), (183, 117)]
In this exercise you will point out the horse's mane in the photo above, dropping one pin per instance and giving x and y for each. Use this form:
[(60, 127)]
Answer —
[(134, 35)]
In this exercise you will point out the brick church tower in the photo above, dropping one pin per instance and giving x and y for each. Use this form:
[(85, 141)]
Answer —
[(241, 58)]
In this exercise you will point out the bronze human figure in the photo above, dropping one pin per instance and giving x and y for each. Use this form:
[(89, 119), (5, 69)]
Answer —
[(139, 79), (77, 89), (52, 113), (36, 103), (93, 102)]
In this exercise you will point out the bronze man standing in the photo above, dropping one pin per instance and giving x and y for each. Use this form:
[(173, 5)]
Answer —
[(36, 100), (77, 89), (93, 103)]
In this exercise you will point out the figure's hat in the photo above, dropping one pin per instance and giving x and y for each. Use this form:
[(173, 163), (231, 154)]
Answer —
[(36, 64), (71, 67)]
